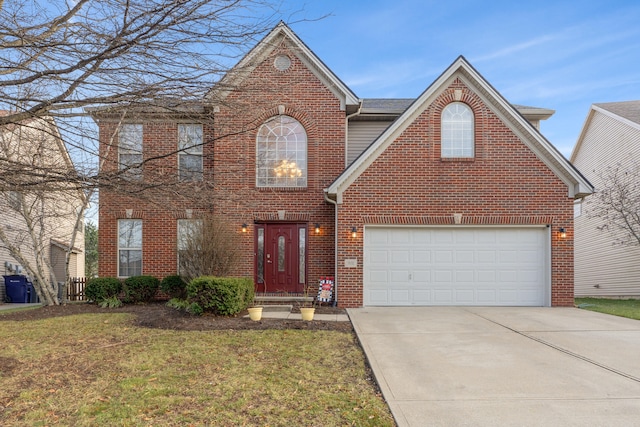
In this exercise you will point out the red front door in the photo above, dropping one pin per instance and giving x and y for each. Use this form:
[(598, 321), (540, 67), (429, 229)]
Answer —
[(281, 257)]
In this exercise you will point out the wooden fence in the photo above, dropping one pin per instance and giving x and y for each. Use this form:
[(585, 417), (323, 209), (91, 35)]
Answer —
[(75, 289)]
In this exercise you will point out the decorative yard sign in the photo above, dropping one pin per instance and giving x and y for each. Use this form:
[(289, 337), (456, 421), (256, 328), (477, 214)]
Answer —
[(325, 289)]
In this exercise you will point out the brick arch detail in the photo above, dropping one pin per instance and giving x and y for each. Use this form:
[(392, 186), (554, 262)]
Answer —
[(478, 108), (309, 125)]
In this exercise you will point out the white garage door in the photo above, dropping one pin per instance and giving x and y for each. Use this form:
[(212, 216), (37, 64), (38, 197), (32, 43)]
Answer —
[(456, 266)]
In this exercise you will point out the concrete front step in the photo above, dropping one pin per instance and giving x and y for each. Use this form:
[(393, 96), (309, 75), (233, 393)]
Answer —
[(277, 308), (281, 299)]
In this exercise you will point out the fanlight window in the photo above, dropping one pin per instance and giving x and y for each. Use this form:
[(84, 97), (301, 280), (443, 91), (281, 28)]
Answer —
[(281, 153), (457, 131)]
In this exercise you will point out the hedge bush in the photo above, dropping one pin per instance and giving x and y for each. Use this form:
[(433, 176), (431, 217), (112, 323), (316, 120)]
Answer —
[(226, 296), (140, 288), (99, 289), (174, 286)]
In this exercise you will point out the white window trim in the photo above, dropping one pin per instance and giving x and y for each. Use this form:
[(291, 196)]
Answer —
[(132, 248), (451, 151), (129, 151), (192, 223), (196, 150), (276, 123)]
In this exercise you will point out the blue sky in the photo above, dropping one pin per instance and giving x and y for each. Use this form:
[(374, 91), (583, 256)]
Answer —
[(562, 55)]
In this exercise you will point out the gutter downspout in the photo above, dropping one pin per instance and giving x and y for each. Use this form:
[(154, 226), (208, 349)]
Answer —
[(335, 247), (346, 132), (335, 203)]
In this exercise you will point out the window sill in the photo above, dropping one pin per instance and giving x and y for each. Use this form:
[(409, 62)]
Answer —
[(458, 159), (283, 189)]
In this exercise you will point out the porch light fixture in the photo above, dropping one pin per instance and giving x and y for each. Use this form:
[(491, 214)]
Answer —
[(354, 232), (244, 227), (317, 228), (562, 233)]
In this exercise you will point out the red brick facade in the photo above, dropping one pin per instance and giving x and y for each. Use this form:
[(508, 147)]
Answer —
[(229, 186), (505, 183), (409, 183)]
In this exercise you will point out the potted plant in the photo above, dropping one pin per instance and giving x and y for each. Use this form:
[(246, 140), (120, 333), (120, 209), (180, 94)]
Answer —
[(255, 311), (307, 310)]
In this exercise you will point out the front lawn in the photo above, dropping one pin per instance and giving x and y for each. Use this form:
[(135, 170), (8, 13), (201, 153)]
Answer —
[(100, 370), (618, 307)]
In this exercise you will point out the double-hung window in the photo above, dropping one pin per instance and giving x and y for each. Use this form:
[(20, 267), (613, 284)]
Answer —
[(130, 149), (190, 152), (189, 242), (129, 247), (457, 131)]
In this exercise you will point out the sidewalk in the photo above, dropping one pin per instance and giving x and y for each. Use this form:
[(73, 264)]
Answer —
[(10, 306)]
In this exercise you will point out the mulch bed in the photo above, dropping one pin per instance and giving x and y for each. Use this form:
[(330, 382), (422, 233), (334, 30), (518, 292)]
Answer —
[(158, 315)]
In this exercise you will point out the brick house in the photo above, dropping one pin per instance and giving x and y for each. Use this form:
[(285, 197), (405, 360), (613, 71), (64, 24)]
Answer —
[(452, 198)]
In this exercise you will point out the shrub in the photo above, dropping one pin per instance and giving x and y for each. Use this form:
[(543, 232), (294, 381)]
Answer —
[(174, 286), (100, 288), (225, 296), (111, 302), (140, 288)]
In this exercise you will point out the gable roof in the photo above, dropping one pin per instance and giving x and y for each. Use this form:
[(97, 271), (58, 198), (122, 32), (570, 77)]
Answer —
[(627, 112), (282, 33), (578, 185)]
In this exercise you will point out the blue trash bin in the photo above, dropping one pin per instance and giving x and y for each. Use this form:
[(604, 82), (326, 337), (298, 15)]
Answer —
[(32, 296), (16, 287)]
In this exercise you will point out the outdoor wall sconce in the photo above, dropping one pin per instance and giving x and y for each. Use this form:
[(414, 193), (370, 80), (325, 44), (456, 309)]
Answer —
[(562, 233), (244, 227), (354, 232), (317, 227)]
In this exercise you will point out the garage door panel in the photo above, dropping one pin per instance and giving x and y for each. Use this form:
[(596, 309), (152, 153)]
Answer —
[(456, 266), (400, 236), (399, 296), (443, 276), (421, 256), (443, 296), (421, 276), (486, 276), (444, 256), (464, 277), (464, 256), (485, 257), (465, 296), (400, 256), (379, 257), (399, 276), (421, 297), (487, 297)]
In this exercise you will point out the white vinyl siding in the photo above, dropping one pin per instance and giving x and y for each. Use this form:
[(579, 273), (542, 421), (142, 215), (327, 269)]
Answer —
[(361, 135), (601, 267), (471, 266)]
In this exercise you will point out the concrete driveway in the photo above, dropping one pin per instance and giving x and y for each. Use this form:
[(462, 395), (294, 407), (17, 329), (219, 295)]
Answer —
[(503, 366)]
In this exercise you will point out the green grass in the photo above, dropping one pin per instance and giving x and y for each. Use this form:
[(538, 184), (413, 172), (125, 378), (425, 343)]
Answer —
[(99, 370), (17, 307), (618, 307)]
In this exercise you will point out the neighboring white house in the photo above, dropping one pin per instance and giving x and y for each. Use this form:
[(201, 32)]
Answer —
[(610, 137), (28, 152)]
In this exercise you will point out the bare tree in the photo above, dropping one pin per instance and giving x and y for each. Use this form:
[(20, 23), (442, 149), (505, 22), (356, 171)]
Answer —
[(617, 203), (61, 58), (206, 247)]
